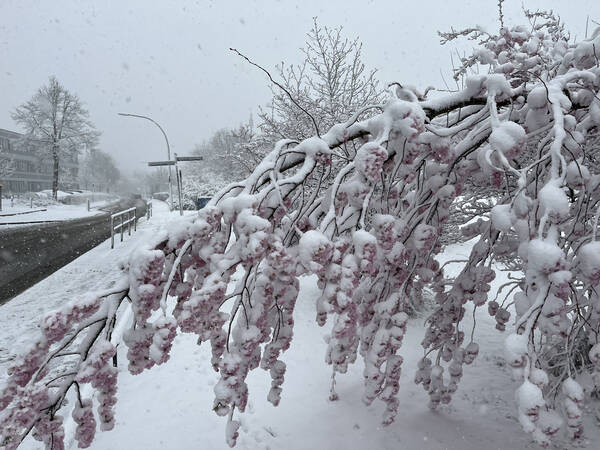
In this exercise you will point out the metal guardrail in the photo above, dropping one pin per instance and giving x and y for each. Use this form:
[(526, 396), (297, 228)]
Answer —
[(131, 214)]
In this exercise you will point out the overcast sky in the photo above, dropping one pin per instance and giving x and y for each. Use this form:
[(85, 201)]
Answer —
[(169, 58)]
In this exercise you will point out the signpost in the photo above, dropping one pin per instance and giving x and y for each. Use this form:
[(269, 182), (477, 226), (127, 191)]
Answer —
[(177, 173), (161, 163)]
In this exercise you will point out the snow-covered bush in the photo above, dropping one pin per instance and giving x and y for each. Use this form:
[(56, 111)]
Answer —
[(194, 189), (371, 239)]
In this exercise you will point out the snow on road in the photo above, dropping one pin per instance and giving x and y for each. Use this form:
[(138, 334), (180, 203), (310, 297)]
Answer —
[(170, 406)]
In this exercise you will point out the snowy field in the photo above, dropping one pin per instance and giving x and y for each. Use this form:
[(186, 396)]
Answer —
[(41, 208), (169, 407), (22, 212)]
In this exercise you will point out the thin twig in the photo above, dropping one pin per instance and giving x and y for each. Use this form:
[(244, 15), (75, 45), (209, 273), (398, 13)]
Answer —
[(280, 86)]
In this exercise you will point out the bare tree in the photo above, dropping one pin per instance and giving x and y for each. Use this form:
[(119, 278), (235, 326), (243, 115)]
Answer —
[(55, 121)]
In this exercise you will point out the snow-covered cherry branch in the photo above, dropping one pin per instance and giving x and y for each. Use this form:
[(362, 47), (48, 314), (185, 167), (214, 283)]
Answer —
[(370, 238)]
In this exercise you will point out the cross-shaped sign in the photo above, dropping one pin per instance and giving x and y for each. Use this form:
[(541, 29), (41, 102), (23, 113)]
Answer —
[(177, 172)]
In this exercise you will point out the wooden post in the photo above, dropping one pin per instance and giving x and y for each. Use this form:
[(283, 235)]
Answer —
[(121, 217)]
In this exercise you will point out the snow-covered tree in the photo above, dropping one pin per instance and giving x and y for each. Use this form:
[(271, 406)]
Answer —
[(329, 85), (220, 164), (7, 165), (56, 121), (325, 89), (231, 153), (98, 169), (155, 180), (371, 239), (196, 188)]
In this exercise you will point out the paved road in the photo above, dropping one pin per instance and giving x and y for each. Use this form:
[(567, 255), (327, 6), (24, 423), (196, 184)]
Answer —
[(29, 254)]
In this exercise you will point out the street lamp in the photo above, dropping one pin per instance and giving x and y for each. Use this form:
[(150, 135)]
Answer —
[(168, 151)]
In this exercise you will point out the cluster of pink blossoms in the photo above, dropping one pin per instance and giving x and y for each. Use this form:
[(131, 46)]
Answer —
[(98, 370), (50, 431), (83, 415), (278, 284), (28, 401), (444, 336), (369, 160)]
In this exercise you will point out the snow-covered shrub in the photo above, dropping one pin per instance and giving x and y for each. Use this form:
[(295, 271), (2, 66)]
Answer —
[(371, 239), (194, 189)]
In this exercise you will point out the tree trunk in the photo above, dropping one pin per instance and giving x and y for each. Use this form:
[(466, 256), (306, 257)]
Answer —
[(55, 171)]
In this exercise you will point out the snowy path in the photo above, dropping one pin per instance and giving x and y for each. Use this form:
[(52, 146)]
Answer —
[(169, 407)]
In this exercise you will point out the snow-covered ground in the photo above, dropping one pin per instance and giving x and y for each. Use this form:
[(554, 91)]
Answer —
[(169, 407), (22, 212), (39, 206), (73, 197)]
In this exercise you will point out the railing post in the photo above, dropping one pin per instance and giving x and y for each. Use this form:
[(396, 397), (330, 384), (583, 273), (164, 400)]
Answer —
[(112, 232), (126, 217), (88, 204)]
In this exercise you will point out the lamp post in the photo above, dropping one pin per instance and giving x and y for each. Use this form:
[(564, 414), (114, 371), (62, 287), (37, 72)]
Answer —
[(168, 151)]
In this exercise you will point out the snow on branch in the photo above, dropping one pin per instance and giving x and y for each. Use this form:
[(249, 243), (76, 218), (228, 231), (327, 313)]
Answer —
[(371, 239)]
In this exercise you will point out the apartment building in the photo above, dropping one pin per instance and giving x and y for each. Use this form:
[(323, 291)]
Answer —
[(30, 171)]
